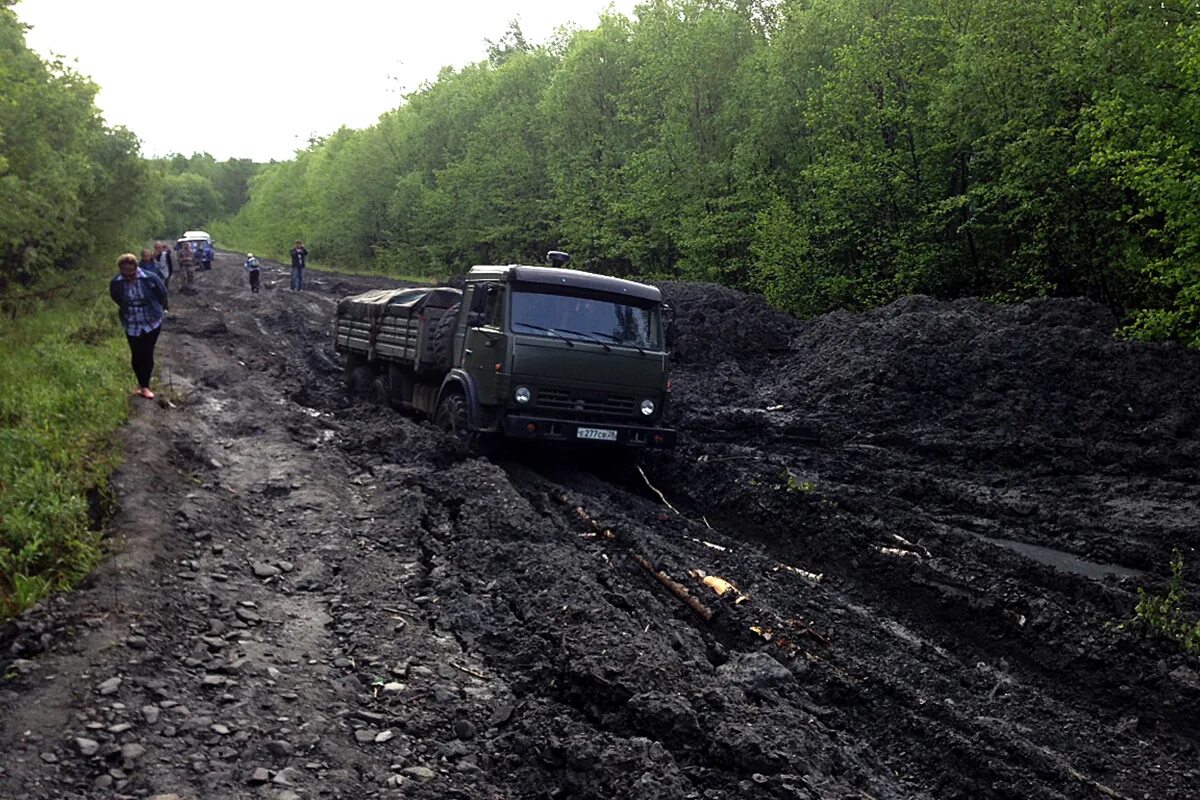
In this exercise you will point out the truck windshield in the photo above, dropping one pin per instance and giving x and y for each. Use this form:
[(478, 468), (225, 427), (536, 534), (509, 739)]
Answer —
[(615, 321)]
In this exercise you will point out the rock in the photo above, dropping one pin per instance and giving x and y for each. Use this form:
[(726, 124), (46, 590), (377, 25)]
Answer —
[(264, 570), (132, 751), (288, 776), (103, 782), (109, 686), (247, 616), (501, 715), (280, 749), (258, 777), (119, 728), (136, 642), (420, 773), (383, 736), (87, 747), (219, 729), (49, 758), (286, 566), (365, 735), (164, 797), (394, 686), (464, 730), (755, 672)]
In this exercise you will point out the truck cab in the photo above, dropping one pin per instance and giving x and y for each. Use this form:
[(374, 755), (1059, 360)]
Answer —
[(558, 354)]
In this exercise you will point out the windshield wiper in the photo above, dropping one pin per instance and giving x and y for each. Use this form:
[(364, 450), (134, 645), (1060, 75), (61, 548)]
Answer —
[(547, 330), (589, 337), (619, 340)]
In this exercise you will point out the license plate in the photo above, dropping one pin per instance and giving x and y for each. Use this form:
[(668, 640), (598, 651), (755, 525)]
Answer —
[(601, 434)]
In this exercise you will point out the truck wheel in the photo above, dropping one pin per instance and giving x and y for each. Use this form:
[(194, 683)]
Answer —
[(378, 391), (360, 380), (353, 362), (451, 414), (441, 338)]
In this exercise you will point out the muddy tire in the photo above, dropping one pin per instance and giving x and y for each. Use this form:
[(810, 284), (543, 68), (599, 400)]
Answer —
[(451, 414), (360, 380), (354, 362), (378, 391), (441, 338)]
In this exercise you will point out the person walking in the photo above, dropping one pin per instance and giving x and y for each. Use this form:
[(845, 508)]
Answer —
[(206, 254), (149, 264), (299, 260), (186, 260), (142, 299), (252, 269), (166, 264)]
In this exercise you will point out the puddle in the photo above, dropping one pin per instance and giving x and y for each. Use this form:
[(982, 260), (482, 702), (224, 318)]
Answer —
[(1062, 561)]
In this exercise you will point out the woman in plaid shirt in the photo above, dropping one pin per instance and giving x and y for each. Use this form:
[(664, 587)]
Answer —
[(142, 298)]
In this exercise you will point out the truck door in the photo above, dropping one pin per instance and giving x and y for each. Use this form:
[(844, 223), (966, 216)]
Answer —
[(483, 342)]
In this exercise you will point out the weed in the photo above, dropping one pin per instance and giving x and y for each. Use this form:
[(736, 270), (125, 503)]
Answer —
[(63, 383), (1165, 614), (794, 484)]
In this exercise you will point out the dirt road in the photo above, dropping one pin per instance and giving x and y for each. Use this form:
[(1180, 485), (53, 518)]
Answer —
[(936, 517)]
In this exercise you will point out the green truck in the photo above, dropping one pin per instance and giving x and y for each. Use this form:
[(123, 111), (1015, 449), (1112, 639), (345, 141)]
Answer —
[(521, 352)]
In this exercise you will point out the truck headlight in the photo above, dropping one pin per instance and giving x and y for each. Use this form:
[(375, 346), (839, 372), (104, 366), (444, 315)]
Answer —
[(647, 408), (522, 394)]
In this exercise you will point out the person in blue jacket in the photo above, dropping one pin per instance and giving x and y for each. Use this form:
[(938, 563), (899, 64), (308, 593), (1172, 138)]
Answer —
[(142, 299)]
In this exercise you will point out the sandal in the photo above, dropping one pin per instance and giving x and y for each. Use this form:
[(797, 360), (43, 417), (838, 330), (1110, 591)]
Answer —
[(146, 393)]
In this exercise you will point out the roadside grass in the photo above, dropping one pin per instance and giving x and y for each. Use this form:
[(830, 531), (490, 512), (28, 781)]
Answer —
[(64, 382)]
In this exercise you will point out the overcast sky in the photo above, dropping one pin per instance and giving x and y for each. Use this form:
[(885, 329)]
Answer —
[(257, 78)]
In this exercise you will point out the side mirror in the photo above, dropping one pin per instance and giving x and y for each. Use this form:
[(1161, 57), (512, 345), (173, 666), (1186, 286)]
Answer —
[(668, 326)]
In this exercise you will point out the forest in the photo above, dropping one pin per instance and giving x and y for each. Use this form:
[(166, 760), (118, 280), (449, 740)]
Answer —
[(828, 153)]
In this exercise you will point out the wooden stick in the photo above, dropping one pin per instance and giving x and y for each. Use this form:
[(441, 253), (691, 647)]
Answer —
[(470, 672), (677, 589), (661, 496)]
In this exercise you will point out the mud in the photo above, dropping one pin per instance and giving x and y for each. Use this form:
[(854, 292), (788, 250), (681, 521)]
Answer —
[(311, 596)]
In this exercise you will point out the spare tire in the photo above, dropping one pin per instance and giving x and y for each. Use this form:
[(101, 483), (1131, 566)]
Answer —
[(441, 339)]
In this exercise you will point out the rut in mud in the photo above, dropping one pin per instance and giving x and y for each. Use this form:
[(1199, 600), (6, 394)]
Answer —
[(937, 513)]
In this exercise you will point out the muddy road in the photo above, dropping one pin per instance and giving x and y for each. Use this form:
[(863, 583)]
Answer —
[(936, 517)]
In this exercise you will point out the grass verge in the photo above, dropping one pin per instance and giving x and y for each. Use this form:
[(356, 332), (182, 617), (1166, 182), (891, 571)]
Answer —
[(64, 383)]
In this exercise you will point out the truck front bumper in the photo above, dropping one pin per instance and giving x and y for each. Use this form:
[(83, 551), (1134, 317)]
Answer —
[(521, 426)]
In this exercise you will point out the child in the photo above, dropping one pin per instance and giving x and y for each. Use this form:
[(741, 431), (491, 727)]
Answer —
[(252, 268)]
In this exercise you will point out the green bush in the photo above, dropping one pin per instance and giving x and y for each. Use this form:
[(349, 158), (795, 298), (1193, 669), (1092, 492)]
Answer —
[(63, 392), (1164, 613)]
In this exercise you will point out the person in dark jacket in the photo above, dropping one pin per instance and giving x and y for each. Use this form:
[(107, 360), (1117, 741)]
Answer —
[(206, 254), (252, 269), (142, 298), (299, 261), (148, 264), (166, 263)]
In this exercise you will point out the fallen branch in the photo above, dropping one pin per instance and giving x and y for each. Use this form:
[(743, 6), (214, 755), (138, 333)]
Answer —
[(677, 589), (661, 496), (469, 672), (811, 577)]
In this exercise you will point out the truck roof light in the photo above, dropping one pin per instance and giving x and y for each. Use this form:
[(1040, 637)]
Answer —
[(499, 366)]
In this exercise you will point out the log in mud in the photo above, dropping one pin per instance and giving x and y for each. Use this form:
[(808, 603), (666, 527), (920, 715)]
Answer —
[(928, 524)]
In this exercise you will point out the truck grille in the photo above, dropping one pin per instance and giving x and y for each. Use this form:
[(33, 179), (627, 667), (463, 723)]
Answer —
[(571, 403)]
